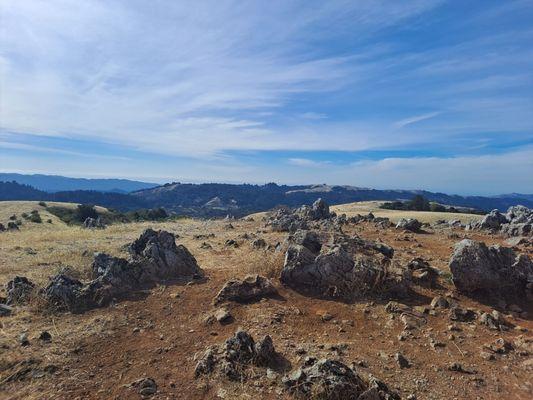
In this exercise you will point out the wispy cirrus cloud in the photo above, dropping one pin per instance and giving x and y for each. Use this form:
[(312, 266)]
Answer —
[(202, 82)]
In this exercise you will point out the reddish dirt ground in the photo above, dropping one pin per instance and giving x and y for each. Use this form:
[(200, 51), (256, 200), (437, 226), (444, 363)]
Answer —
[(161, 333)]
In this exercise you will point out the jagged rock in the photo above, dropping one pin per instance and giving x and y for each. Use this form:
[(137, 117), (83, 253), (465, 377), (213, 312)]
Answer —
[(476, 267), (93, 223), (349, 270), (332, 380), (251, 288), (318, 210), (422, 273), (154, 258), (19, 290), (2, 227), (306, 238), (325, 379), (231, 243), (259, 243), (206, 365), (238, 352), (409, 224), (157, 253), (265, 354)]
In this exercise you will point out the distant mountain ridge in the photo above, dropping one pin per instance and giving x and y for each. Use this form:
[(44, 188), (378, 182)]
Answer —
[(218, 199), (56, 183)]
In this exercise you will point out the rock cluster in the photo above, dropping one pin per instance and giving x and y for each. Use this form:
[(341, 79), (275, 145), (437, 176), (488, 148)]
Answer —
[(154, 257), (251, 288), (517, 221), (350, 268), (499, 270), (286, 220), (332, 380)]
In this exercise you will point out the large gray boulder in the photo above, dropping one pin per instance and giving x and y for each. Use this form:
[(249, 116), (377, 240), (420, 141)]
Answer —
[(493, 220), (347, 270), (476, 267), (154, 258)]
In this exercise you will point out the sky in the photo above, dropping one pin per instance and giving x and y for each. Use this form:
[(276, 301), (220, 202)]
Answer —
[(410, 94)]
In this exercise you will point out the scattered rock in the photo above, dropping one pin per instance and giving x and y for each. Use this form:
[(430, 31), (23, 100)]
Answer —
[(251, 288), (19, 290), (223, 316), (45, 336), (259, 243), (409, 224), (23, 339), (402, 361), (145, 386), (461, 315)]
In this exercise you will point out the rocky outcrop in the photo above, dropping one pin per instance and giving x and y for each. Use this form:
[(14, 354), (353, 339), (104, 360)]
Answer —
[(517, 221), (332, 380), (350, 268), (19, 290), (233, 359), (318, 214), (251, 288), (476, 267), (409, 224), (154, 258)]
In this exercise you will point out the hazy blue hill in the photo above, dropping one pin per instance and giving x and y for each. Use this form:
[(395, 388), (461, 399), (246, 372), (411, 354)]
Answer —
[(216, 199), (55, 183)]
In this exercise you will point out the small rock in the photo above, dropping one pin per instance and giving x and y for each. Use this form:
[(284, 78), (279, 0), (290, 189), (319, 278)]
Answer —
[(402, 361), (45, 336), (23, 339)]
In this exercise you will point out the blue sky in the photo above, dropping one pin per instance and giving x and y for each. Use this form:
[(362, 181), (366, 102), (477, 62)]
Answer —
[(433, 95)]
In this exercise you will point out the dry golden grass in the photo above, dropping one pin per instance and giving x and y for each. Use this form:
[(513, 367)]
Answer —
[(364, 207)]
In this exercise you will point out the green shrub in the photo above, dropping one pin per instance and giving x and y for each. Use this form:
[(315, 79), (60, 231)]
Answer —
[(35, 217), (42, 204)]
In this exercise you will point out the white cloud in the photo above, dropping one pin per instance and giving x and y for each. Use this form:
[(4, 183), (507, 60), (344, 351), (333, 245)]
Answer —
[(305, 162), (184, 78), (413, 120)]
